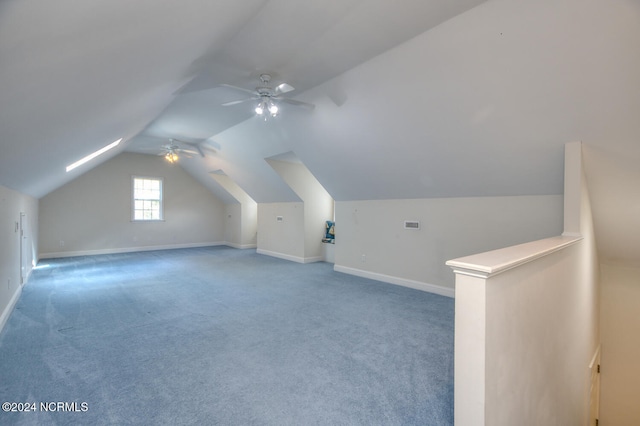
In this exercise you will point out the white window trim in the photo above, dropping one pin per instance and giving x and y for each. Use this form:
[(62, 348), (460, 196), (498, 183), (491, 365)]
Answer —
[(133, 200)]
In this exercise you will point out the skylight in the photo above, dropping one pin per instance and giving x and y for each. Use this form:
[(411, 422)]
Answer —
[(94, 155)]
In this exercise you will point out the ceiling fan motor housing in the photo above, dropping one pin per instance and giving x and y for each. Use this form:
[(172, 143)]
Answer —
[(265, 78), (265, 92)]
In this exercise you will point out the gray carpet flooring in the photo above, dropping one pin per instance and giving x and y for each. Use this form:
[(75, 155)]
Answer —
[(215, 335)]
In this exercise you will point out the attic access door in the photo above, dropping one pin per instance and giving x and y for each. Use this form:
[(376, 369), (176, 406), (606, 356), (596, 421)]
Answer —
[(24, 249)]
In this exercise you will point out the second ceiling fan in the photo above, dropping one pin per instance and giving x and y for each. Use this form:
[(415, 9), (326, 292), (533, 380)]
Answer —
[(175, 147)]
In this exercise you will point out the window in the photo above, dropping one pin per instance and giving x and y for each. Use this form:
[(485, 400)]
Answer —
[(147, 198)]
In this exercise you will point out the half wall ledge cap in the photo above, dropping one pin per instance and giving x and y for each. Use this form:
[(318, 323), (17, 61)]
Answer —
[(487, 264)]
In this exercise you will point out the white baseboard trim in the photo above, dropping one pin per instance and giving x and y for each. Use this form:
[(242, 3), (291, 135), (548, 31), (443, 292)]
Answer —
[(126, 250), (29, 272), (4, 317), (418, 285), (289, 257), (240, 246)]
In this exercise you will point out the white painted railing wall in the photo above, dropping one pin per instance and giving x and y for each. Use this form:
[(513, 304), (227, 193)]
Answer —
[(527, 323)]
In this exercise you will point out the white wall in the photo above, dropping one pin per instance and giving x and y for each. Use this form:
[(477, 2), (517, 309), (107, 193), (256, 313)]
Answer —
[(241, 225), (242, 217), (620, 328), (13, 203), (542, 334), (281, 239), (318, 204), (540, 341), (450, 227), (92, 214), (249, 226), (233, 224), (527, 324)]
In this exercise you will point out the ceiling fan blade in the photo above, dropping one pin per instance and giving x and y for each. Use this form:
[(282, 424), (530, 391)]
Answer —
[(195, 145), (187, 151), (296, 103), (239, 102), (284, 88), (242, 89)]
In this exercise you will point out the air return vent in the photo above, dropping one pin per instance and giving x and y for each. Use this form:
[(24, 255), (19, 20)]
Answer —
[(411, 224)]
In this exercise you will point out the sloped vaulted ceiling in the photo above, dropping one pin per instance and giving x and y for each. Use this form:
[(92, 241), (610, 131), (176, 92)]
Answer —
[(481, 105), (75, 76), (413, 98)]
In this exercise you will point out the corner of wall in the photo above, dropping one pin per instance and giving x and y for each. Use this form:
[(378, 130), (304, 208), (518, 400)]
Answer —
[(19, 234)]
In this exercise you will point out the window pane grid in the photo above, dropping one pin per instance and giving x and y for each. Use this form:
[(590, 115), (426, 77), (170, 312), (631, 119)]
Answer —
[(147, 199)]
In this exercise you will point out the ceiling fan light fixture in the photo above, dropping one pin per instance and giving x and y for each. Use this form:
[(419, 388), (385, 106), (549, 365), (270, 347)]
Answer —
[(171, 157), (267, 96), (267, 105)]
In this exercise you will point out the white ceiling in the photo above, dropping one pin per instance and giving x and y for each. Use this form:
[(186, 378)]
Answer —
[(414, 98)]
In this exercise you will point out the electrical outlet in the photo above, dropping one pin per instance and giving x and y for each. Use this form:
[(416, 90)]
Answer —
[(364, 258), (61, 243), (8, 283)]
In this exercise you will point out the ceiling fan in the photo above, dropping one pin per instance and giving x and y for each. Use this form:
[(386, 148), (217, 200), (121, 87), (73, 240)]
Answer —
[(267, 96), (172, 150)]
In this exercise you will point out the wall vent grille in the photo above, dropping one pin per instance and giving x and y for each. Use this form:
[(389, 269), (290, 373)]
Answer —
[(411, 224)]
